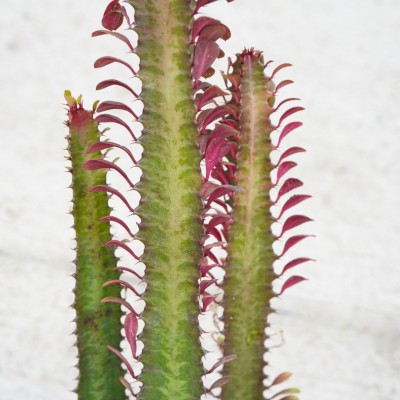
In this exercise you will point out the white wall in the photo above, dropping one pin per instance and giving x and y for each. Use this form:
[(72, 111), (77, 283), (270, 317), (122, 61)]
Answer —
[(342, 329)]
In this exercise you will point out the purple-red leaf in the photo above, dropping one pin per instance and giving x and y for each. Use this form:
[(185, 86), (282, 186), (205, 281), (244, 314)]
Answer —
[(115, 192), (106, 60), (122, 245), (293, 280), (101, 118), (201, 3), (206, 117), (292, 241), (222, 361), (126, 384), (111, 218), (282, 169), (214, 32), (117, 35), (287, 129), (209, 94), (115, 105), (122, 283), (201, 23), (206, 52), (131, 271), (205, 284), (288, 113), (291, 202), (281, 85), (114, 82), (289, 185), (289, 152), (113, 16), (293, 222), (279, 67), (108, 145), (294, 263), (207, 300), (131, 328), (216, 149), (123, 359), (92, 165), (220, 382), (284, 102), (120, 301)]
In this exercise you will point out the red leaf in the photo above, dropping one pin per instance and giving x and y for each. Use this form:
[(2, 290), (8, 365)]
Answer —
[(223, 131), (284, 376), (209, 94), (214, 32), (283, 168), (292, 222), (292, 201), (131, 328), (293, 280), (101, 118), (199, 24), (119, 221), (92, 165), (292, 242), (205, 284), (122, 283), (125, 383), (222, 361), (115, 105), (201, 3), (107, 145), (121, 245), (289, 185), (120, 301), (279, 67), (287, 129), (288, 113), (103, 61), (113, 17), (123, 359), (294, 263), (206, 117), (284, 102), (206, 52), (116, 35), (289, 152), (125, 269), (216, 149), (114, 82), (282, 84), (206, 301), (115, 192), (220, 382)]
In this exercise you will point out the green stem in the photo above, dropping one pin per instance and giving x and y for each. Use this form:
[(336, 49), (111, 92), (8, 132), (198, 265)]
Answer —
[(249, 272), (170, 205), (97, 325)]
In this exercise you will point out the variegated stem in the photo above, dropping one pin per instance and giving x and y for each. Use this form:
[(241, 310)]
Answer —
[(170, 205), (96, 325), (249, 272)]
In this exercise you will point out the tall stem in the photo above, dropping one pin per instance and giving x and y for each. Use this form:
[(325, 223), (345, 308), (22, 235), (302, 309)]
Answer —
[(249, 272), (170, 204), (97, 325)]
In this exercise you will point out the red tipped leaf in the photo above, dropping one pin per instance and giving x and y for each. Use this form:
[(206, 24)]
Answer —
[(293, 280)]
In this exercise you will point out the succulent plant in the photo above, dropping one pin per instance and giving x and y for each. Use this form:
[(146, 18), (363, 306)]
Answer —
[(205, 207)]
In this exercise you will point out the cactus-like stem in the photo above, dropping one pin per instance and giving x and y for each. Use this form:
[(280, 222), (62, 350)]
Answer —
[(249, 276), (97, 325), (170, 205)]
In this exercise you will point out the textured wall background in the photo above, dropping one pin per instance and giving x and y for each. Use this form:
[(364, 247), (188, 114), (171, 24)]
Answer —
[(342, 328)]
